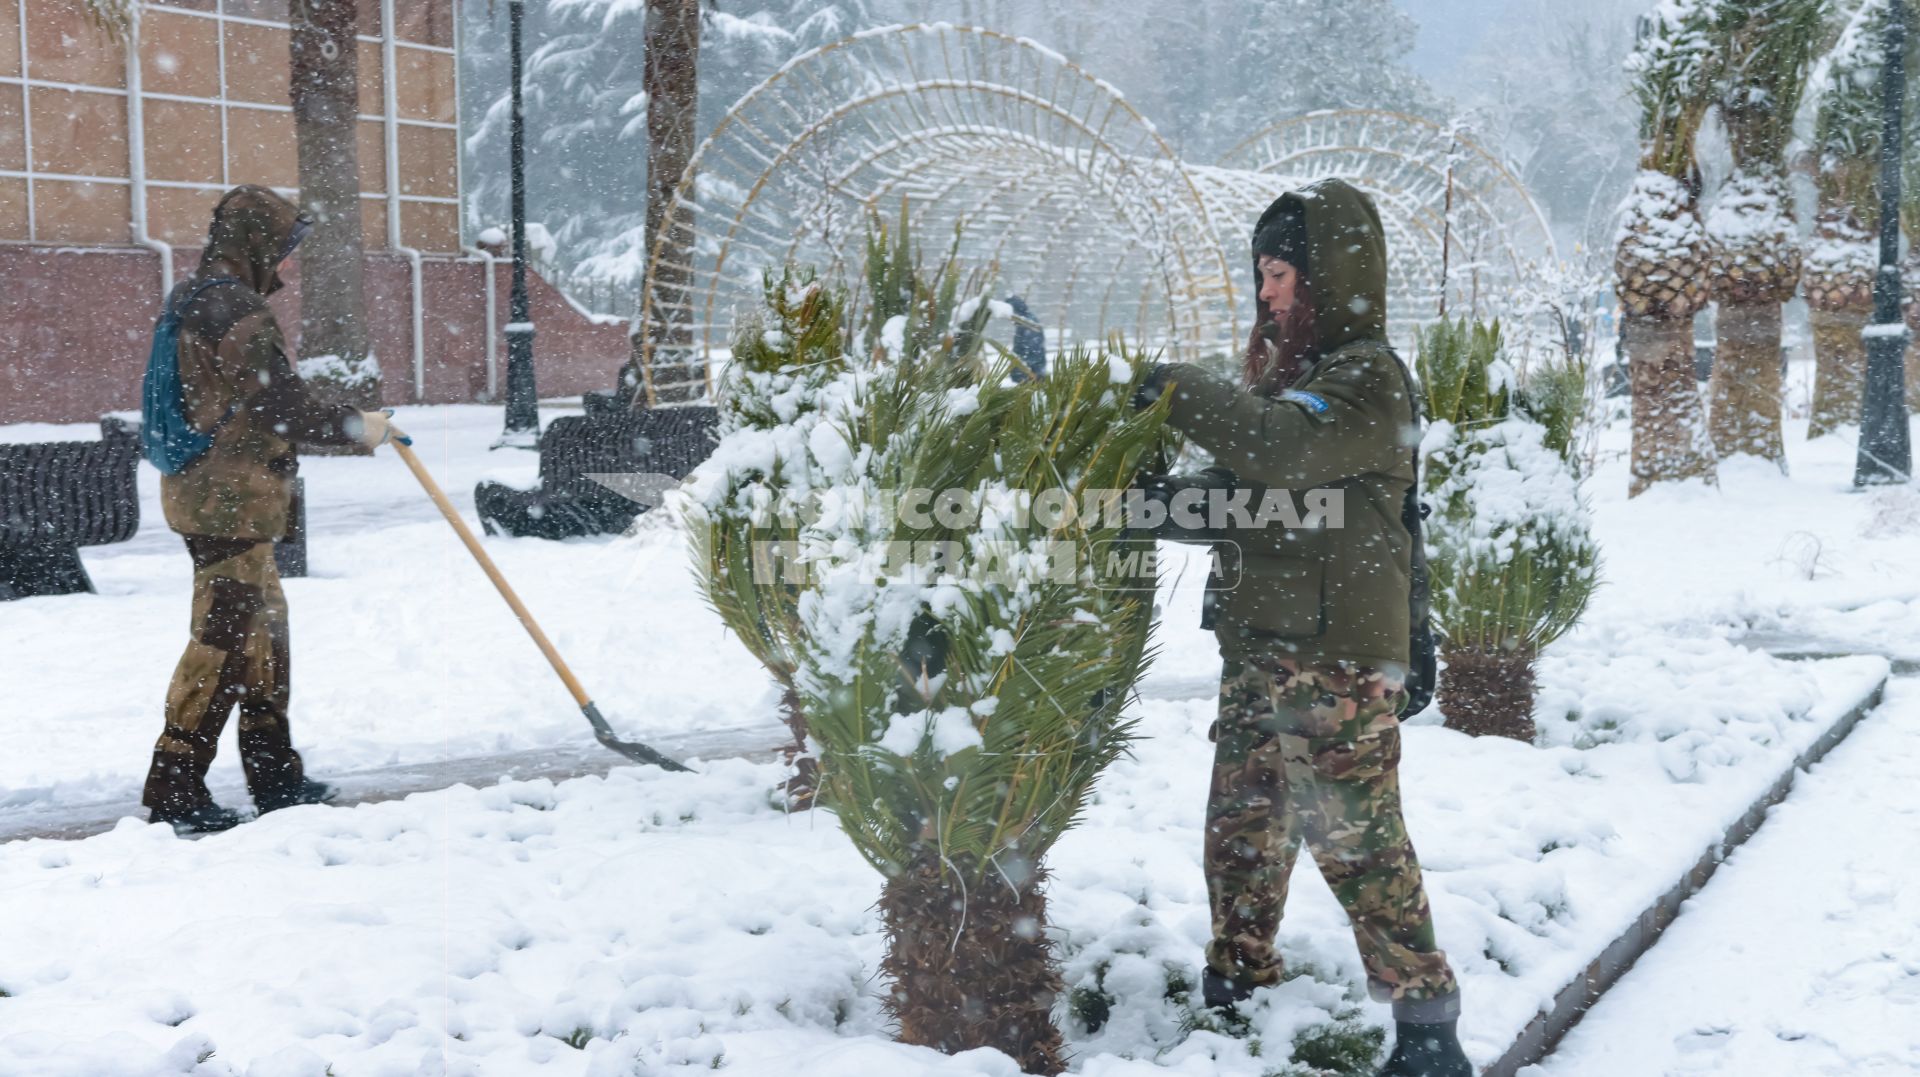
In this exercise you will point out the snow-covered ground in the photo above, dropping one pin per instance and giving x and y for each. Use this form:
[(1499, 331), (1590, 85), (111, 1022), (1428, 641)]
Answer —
[(402, 651), (664, 923), (1802, 956)]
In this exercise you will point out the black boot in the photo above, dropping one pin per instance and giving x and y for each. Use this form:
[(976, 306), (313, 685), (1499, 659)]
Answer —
[(208, 818), (1223, 993), (307, 792), (1427, 1051)]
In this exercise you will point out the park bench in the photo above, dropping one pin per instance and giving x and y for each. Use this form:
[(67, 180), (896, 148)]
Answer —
[(606, 441), (58, 496)]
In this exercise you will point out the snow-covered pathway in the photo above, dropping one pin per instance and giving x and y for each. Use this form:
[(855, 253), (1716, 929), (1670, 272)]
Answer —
[(1802, 956)]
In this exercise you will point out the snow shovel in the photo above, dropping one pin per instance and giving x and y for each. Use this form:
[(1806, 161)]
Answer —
[(603, 732)]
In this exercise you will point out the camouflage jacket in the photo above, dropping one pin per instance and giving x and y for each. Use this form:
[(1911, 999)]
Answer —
[(1347, 427), (238, 382)]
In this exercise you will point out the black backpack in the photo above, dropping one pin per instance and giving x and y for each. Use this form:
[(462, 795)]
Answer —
[(1423, 667)]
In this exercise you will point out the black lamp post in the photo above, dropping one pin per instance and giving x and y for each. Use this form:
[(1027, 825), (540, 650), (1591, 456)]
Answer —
[(523, 410), (1886, 454)]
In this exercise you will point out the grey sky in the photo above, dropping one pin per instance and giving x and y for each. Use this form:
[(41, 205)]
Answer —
[(1449, 30)]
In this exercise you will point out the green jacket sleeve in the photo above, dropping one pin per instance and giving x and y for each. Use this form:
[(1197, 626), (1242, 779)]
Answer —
[(1352, 417)]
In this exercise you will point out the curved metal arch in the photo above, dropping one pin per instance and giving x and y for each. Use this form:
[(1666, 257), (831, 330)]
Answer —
[(991, 132), (1491, 207), (940, 77), (1502, 168), (1028, 207)]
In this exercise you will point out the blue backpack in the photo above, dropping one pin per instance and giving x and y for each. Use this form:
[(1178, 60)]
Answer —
[(168, 439)]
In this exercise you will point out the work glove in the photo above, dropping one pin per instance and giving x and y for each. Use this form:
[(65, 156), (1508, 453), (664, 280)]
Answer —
[(1150, 389), (1162, 488), (376, 429)]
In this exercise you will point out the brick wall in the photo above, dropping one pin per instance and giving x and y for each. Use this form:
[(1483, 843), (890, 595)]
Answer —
[(78, 321), (217, 112)]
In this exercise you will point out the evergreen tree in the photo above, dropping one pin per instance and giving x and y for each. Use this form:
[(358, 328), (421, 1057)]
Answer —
[(586, 108), (1547, 90), (1211, 73)]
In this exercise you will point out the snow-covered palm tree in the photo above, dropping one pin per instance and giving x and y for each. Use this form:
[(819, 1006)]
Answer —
[(1842, 258), (1513, 565), (962, 706), (1767, 47), (1660, 258)]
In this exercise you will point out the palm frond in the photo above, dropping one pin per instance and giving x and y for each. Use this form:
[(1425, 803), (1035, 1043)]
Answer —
[(1512, 563), (1767, 52), (1674, 69), (1038, 666), (962, 710)]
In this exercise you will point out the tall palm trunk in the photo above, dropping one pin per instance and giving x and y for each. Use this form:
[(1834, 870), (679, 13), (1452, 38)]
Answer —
[(672, 79), (1756, 268), (1839, 288), (1670, 441), (326, 109), (1840, 368), (1744, 392), (1660, 275), (971, 966)]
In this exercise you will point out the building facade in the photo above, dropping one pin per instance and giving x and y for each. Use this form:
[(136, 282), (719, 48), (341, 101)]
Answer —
[(113, 155)]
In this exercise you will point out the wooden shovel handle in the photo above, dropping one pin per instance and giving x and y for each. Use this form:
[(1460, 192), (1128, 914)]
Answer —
[(486, 564)]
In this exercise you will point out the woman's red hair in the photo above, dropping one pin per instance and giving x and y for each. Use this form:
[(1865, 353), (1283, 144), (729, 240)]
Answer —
[(1282, 346)]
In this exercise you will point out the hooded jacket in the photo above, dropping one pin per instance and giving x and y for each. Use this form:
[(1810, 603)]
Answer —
[(1346, 427), (238, 383)]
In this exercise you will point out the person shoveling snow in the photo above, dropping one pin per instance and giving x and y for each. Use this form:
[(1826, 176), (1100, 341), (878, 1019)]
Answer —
[(223, 410)]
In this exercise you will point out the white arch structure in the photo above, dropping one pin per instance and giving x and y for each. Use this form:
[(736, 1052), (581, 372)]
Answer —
[(1058, 186)]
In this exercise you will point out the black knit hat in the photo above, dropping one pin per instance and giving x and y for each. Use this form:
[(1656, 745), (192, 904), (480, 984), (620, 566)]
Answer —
[(1285, 237)]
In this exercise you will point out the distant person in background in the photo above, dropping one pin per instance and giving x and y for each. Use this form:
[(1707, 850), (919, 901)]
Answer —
[(238, 385), (1029, 341)]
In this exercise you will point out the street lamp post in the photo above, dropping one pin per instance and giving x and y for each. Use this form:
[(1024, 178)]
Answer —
[(1885, 453), (523, 410)]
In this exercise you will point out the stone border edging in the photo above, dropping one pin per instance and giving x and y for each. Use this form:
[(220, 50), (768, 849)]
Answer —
[(1543, 1033)]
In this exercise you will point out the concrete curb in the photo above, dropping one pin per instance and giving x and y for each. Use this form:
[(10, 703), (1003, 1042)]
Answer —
[(1543, 1033)]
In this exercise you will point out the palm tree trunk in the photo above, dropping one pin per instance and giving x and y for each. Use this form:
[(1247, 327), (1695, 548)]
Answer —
[(326, 107), (971, 966), (1669, 442), (1489, 695), (672, 80), (1840, 368), (1745, 388)]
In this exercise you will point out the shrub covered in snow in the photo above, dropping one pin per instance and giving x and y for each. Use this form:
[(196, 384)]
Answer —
[(962, 672), (1512, 562)]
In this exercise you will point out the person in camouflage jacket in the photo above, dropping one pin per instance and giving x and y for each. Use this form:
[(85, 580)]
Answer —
[(1312, 621), (230, 504)]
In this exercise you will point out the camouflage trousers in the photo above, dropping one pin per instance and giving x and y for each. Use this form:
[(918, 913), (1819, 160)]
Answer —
[(1312, 754), (238, 655)]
